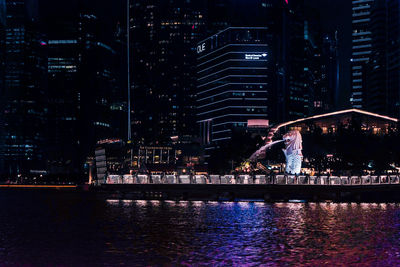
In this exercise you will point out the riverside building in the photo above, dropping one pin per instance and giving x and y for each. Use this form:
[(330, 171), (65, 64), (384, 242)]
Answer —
[(235, 81)]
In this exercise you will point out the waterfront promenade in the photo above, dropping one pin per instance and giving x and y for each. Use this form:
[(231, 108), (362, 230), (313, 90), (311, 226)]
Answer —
[(270, 188), (241, 179), (273, 188)]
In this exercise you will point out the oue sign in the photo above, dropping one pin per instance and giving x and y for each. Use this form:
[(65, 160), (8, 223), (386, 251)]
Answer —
[(201, 48)]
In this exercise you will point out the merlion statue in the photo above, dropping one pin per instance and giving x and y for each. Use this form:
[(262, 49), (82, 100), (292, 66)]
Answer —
[(292, 152)]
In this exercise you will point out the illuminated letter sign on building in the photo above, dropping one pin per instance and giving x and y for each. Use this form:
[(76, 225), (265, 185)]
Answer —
[(201, 48), (255, 56)]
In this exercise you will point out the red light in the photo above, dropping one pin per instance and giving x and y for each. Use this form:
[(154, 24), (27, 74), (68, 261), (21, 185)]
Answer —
[(287, 2)]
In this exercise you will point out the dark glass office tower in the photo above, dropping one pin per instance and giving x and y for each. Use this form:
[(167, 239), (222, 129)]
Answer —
[(163, 40), (374, 72), (383, 71), (63, 96), (24, 95), (393, 58), (236, 81), (97, 83), (2, 78), (329, 72)]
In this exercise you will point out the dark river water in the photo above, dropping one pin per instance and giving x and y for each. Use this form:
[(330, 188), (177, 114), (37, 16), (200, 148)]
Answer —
[(74, 229)]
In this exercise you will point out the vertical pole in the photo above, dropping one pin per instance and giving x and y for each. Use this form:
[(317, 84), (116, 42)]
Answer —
[(128, 78)]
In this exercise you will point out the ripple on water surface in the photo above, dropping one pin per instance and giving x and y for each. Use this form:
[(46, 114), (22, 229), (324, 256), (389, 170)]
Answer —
[(79, 230)]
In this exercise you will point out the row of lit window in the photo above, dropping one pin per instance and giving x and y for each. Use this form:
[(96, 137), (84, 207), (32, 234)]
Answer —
[(98, 123)]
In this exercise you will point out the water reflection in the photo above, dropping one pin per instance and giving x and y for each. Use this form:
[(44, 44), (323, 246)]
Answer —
[(76, 230)]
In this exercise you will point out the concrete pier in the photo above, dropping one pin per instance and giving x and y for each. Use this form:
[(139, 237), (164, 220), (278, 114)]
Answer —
[(265, 192)]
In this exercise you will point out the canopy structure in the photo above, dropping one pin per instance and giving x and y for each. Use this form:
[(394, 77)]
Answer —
[(370, 119)]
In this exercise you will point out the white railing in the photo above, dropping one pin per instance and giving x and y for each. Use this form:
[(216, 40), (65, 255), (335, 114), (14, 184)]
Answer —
[(259, 179)]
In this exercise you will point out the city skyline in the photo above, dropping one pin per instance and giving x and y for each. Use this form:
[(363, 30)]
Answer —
[(200, 133), (73, 85)]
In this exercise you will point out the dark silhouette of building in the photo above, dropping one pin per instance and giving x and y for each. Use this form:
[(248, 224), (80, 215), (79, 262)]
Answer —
[(60, 92), (23, 100), (382, 71), (393, 56), (63, 50), (97, 84), (163, 38), (2, 80), (374, 72)]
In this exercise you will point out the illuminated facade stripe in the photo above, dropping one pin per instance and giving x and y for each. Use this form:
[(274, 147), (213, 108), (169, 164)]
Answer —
[(227, 99), (234, 75), (232, 91), (218, 109), (229, 60), (232, 68), (222, 131), (227, 53), (256, 45), (229, 115), (225, 84), (228, 122), (222, 138)]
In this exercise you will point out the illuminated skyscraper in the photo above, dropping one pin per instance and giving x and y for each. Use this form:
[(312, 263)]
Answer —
[(237, 81), (361, 40)]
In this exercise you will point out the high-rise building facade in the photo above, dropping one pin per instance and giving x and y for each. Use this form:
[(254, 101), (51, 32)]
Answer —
[(374, 72), (361, 50), (97, 84), (58, 90), (279, 71), (163, 38), (383, 71), (2, 79), (63, 47), (236, 81), (393, 56), (24, 95)]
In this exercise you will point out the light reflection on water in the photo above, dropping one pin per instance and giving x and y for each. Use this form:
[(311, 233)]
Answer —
[(78, 230)]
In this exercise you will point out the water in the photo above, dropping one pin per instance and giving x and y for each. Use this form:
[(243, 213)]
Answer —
[(262, 149), (74, 229)]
